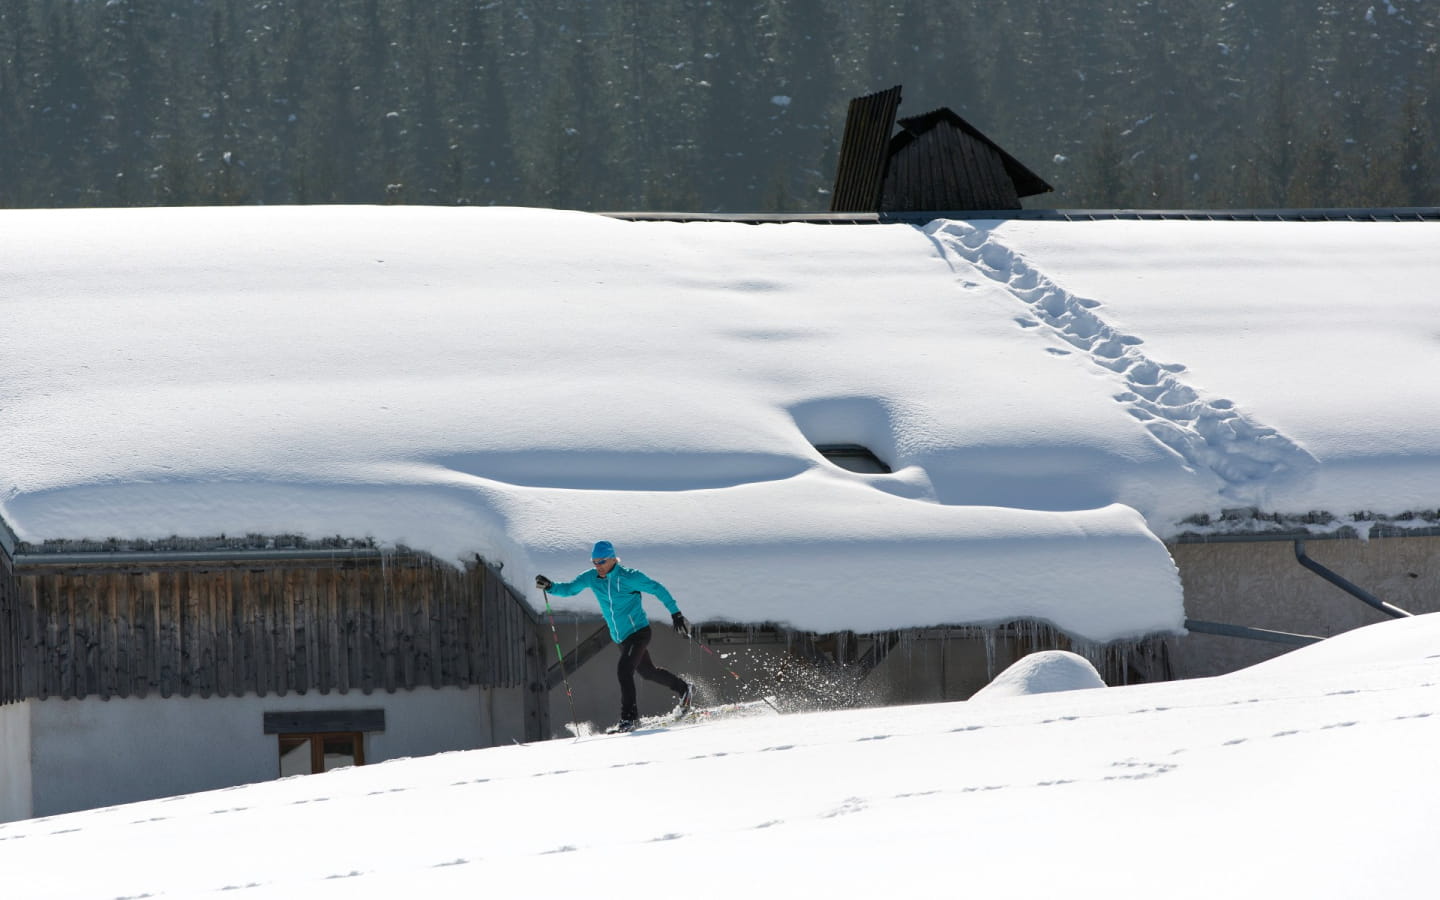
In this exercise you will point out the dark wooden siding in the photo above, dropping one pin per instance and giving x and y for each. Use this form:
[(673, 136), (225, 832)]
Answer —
[(945, 168), (10, 656), (863, 149), (228, 629)]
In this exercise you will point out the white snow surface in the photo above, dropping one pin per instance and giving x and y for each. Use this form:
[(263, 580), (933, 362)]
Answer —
[(1285, 780), (1053, 397), (1045, 672)]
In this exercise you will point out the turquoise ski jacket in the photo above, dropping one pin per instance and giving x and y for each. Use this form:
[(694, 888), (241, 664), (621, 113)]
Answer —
[(619, 596)]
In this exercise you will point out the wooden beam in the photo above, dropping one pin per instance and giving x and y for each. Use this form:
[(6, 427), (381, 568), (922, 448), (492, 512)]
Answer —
[(583, 653), (312, 722)]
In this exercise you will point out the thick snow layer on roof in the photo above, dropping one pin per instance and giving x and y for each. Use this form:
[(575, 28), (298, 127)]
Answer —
[(518, 383), (1296, 362)]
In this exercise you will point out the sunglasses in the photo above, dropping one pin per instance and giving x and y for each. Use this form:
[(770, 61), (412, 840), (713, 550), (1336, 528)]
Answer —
[(601, 562)]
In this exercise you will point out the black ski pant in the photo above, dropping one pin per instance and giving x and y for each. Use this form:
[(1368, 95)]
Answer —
[(635, 660)]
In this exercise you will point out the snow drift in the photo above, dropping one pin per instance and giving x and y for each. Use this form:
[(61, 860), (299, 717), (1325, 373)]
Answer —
[(1045, 672)]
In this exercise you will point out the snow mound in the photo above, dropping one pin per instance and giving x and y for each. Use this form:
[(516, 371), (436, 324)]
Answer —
[(1046, 672), (1398, 642)]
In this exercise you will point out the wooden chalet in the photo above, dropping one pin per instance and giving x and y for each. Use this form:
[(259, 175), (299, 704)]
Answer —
[(325, 655), (198, 665), (935, 162)]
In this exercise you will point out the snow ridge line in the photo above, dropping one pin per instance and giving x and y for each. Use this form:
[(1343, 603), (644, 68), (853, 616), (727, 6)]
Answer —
[(1208, 433)]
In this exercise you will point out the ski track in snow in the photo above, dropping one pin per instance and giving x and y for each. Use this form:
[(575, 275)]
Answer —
[(1208, 433)]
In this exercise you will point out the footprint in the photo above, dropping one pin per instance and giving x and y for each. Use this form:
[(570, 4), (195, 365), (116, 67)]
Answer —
[(1141, 770), (453, 862), (851, 805)]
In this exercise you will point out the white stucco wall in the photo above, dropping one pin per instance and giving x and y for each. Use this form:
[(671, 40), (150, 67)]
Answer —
[(92, 753), (503, 710), (1262, 586), (15, 762)]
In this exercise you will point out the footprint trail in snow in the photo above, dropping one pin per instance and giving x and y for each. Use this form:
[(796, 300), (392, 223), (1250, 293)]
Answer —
[(1208, 433)]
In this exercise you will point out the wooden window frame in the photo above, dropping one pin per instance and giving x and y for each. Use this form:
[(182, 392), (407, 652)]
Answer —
[(317, 746)]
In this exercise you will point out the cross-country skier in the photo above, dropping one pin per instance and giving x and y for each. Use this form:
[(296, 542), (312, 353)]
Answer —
[(618, 589)]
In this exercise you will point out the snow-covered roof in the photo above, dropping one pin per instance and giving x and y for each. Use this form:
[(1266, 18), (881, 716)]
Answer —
[(1054, 398)]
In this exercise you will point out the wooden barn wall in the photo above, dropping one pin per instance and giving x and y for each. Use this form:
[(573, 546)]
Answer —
[(10, 656), (945, 168), (869, 121), (384, 624)]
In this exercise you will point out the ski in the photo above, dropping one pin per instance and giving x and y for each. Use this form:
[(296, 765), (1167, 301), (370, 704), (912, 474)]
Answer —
[(694, 715)]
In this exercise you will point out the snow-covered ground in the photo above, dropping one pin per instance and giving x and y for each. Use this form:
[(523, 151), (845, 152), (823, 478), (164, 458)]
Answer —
[(1312, 775), (1054, 398)]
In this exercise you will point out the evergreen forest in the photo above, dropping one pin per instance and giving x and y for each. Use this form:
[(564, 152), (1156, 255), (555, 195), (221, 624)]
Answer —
[(708, 105)]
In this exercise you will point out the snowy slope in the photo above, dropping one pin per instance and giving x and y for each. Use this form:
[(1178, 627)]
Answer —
[(1287, 780), (519, 383)]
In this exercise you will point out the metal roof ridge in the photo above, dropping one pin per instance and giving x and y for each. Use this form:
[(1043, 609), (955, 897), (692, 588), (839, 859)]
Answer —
[(1318, 214)]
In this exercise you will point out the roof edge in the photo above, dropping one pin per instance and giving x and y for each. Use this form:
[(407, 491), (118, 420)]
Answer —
[(8, 540), (891, 217)]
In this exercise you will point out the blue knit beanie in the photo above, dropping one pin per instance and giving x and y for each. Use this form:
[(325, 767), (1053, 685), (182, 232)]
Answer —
[(603, 550)]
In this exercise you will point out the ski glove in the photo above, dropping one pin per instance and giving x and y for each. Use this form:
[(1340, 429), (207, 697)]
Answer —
[(543, 583), (682, 627)]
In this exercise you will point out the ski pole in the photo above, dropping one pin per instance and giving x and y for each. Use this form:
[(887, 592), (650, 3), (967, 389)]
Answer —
[(550, 614), (726, 667)]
